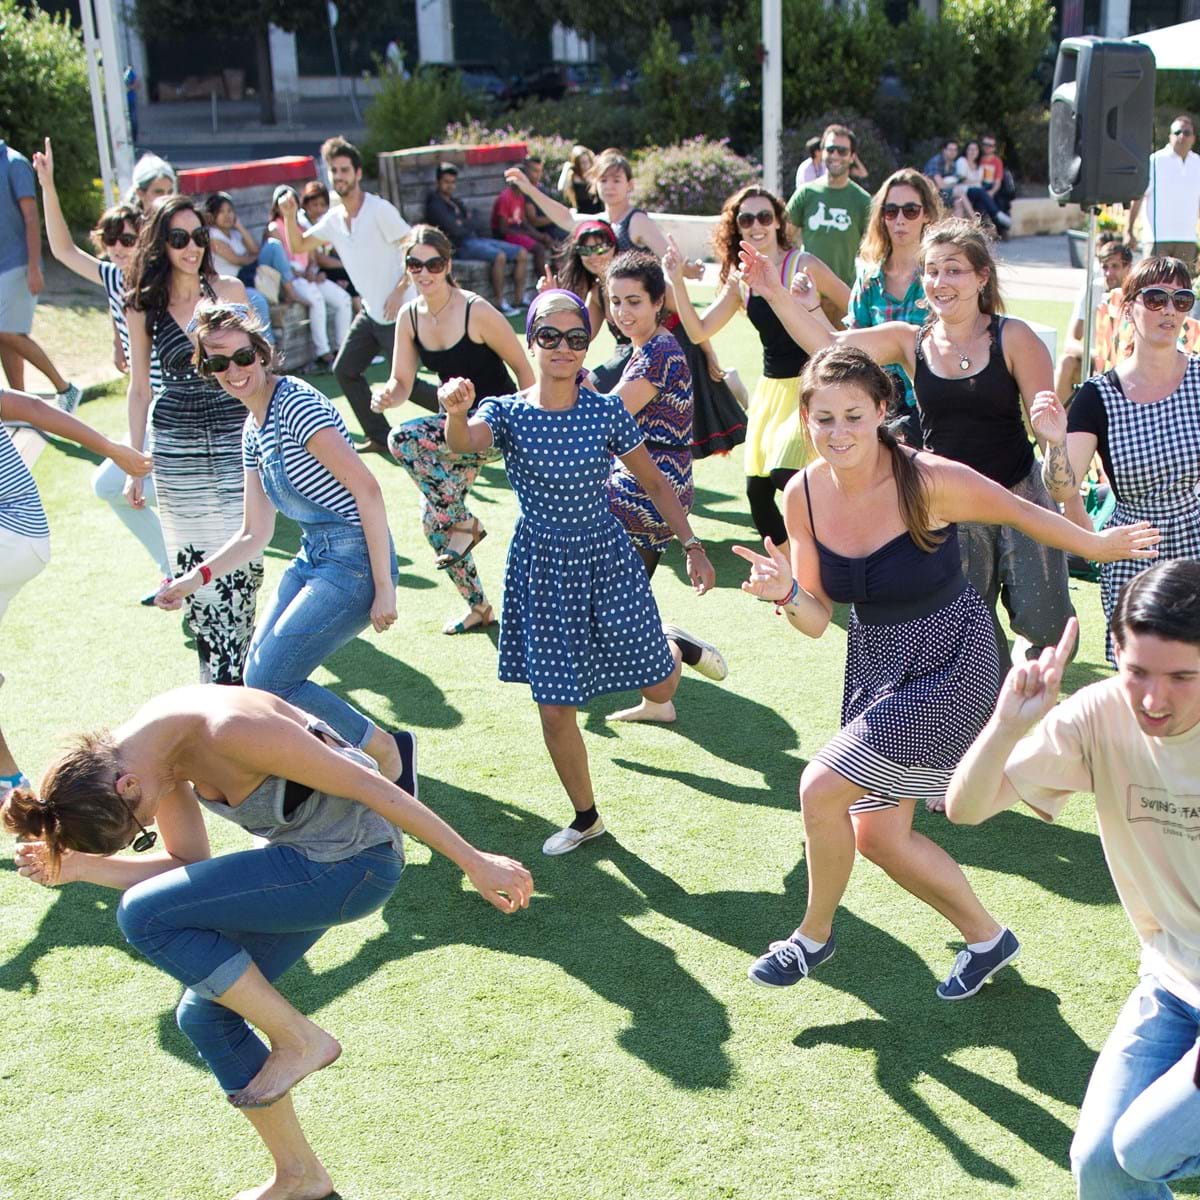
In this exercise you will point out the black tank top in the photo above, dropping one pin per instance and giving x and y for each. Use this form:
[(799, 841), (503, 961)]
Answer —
[(897, 582), (782, 357), (470, 360), (621, 230), (976, 420)]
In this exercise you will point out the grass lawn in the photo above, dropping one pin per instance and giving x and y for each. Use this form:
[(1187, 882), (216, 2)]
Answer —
[(605, 1043)]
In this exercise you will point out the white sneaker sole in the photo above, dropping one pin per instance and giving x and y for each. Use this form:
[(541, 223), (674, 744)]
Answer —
[(712, 664), (557, 844), (985, 980)]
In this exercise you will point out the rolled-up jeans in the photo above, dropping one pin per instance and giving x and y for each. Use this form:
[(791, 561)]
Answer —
[(204, 924), (1139, 1127)]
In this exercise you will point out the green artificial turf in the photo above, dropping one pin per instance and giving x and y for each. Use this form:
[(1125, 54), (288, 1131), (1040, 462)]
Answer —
[(605, 1043)]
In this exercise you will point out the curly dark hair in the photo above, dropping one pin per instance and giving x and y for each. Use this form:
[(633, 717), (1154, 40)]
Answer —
[(727, 237), (148, 288)]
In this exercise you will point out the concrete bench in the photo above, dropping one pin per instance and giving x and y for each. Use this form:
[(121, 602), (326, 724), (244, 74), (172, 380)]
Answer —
[(407, 176)]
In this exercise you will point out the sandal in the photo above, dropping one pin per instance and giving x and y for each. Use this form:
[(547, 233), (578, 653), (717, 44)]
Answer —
[(449, 557), (479, 616)]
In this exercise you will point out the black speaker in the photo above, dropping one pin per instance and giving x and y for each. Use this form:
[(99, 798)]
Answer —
[(1101, 121)]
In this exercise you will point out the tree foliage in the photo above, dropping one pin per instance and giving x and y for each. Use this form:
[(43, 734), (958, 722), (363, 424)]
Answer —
[(679, 97), (44, 91)]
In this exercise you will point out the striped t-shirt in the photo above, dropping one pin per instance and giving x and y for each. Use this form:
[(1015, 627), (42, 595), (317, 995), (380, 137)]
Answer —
[(21, 508), (114, 288), (302, 411)]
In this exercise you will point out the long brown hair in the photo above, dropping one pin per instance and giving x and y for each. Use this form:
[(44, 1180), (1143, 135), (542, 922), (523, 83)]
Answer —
[(847, 365), (78, 808), (876, 246), (727, 237), (431, 235), (148, 287), (969, 238)]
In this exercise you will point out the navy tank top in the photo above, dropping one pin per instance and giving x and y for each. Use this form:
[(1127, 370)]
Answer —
[(471, 360), (897, 582), (976, 420)]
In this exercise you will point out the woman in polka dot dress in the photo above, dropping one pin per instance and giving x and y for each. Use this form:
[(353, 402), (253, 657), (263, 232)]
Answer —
[(578, 619), (874, 524)]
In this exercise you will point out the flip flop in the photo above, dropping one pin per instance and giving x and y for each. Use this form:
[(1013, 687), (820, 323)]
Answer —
[(449, 558)]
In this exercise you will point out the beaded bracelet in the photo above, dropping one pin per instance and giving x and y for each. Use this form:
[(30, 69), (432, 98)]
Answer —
[(794, 591)]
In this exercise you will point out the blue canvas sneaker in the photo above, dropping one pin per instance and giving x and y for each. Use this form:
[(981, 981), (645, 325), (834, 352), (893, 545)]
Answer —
[(788, 962), (972, 969)]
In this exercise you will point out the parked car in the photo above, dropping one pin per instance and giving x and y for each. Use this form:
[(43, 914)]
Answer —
[(479, 77)]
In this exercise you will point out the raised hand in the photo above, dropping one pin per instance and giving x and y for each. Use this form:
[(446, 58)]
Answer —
[(673, 262), (288, 203), (1139, 540), (456, 396), (517, 176), (502, 882), (1031, 688), (43, 165), (770, 574), (758, 272), (1048, 417), (547, 280)]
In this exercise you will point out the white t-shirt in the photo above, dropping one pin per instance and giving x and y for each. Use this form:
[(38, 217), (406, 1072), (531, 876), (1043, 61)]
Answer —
[(1147, 793), (1098, 293), (369, 247), (1171, 207)]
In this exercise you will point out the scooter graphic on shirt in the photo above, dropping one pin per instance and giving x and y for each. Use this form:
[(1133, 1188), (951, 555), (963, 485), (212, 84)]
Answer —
[(838, 218)]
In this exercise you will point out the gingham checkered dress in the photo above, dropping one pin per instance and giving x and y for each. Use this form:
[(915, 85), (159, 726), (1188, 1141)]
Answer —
[(1154, 452)]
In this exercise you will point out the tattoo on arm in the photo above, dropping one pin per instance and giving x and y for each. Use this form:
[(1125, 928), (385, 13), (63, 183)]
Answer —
[(1056, 472)]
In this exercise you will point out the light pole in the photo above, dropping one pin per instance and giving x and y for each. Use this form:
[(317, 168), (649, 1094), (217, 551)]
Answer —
[(771, 52)]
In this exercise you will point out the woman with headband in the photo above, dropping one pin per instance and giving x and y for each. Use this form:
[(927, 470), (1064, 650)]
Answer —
[(196, 427), (484, 352), (330, 852), (579, 619), (298, 460)]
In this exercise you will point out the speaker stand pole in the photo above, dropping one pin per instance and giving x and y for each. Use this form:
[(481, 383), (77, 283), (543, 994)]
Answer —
[(1089, 309)]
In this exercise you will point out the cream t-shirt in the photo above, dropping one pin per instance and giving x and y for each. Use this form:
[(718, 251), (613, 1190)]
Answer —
[(1147, 793)]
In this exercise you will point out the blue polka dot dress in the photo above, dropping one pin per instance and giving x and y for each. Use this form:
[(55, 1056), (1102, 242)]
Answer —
[(578, 617)]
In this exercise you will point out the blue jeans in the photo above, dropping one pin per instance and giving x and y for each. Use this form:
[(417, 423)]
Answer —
[(324, 600), (484, 249), (1139, 1126), (205, 923)]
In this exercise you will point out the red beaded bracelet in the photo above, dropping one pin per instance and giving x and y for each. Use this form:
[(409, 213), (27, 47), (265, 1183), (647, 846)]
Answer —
[(205, 574)]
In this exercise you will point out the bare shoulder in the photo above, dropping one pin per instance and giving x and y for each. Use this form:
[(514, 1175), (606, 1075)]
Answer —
[(227, 287)]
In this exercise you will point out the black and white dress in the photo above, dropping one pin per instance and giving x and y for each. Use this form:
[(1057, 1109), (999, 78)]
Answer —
[(921, 668), (196, 440), (1151, 454)]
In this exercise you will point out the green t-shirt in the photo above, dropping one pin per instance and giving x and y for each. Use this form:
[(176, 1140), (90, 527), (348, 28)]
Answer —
[(831, 222)]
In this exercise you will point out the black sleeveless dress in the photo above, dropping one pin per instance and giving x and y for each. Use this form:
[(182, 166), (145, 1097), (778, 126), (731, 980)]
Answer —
[(921, 667)]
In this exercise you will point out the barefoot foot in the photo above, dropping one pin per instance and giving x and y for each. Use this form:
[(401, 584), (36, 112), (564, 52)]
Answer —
[(285, 1067), (648, 710), (938, 805), (308, 1186)]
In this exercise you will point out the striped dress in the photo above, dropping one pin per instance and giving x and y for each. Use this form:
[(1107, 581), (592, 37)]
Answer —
[(196, 440), (666, 424)]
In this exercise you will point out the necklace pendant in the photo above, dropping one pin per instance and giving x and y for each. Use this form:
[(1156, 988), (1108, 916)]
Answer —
[(964, 363)]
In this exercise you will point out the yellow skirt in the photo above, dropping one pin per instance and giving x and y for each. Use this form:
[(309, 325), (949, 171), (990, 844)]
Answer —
[(775, 435)]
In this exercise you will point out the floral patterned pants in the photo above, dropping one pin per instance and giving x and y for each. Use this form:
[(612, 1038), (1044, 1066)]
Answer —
[(444, 479)]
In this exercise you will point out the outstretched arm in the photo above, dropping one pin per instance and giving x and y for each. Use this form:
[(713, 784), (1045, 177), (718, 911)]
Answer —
[(62, 246), (558, 212)]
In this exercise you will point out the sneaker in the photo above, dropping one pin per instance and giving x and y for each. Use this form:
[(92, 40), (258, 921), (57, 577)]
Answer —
[(712, 664), (509, 310), (788, 962), (69, 400), (1003, 220), (566, 840), (406, 743), (972, 970)]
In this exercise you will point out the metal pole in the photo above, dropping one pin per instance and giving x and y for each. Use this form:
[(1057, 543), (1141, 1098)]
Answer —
[(213, 97), (337, 61), (772, 87), (1089, 309), (114, 93), (91, 52)]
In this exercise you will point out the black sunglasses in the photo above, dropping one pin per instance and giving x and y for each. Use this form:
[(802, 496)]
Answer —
[(1156, 299), (764, 216), (125, 238), (145, 839), (593, 248), (435, 265), (177, 239), (1181, 131), (216, 363), (550, 338), (911, 211), (832, 148)]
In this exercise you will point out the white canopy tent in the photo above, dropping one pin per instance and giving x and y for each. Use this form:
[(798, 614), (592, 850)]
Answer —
[(1175, 48)]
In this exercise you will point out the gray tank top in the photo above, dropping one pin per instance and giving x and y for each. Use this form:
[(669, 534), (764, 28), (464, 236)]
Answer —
[(322, 827)]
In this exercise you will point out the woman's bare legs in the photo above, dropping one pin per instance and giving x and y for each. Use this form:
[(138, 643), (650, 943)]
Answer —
[(656, 700), (560, 729), (299, 1174), (825, 799), (923, 868)]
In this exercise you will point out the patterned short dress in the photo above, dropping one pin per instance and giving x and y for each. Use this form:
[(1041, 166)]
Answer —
[(666, 423), (1151, 453), (578, 618)]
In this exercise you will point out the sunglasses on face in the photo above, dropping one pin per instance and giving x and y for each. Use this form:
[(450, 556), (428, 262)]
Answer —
[(989, 145), (214, 364), (592, 249), (435, 265), (832, 149), (764, 216), (146, 838), (177, 239), (1156, 299), (911, 211), (550, 338), (127, 239), (1181, 132)]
